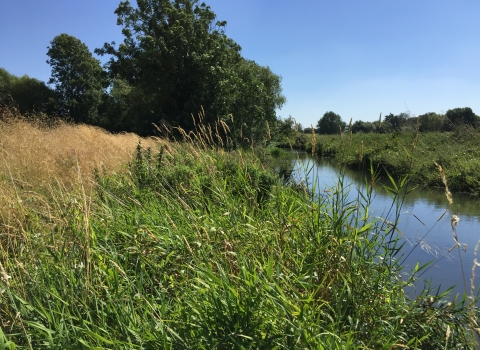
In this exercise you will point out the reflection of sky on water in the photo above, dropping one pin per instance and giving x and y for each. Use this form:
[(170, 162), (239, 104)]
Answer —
[(423, 220)]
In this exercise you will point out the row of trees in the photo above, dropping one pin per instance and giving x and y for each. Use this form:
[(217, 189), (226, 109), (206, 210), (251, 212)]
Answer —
[(175, 61), (27, 94), (332, 123)]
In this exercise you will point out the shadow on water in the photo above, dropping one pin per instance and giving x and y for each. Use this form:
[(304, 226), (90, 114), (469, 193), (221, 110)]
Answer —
[(424, 219)]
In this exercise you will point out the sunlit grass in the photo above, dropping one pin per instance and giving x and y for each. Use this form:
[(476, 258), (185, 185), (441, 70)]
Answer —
[(190, 246)]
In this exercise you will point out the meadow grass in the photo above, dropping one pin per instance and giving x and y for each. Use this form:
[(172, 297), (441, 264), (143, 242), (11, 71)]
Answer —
[(458, 152), (187, 246)]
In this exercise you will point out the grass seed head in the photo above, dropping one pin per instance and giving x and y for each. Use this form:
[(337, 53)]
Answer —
[(444, 180)]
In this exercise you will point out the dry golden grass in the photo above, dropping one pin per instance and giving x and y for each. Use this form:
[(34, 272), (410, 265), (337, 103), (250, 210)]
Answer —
[(39, 162), (32, 156)]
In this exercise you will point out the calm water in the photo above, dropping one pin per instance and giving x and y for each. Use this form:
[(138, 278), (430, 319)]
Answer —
[(420, 214)]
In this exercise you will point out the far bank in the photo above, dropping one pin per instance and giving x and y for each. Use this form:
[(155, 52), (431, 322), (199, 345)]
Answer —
[(399, 154)]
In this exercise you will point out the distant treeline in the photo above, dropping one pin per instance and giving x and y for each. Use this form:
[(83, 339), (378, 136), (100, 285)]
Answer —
[(332, 123), (175, 61)]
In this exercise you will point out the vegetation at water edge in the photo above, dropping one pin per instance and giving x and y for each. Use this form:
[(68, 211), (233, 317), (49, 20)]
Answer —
[(457, 151), (190, 246)]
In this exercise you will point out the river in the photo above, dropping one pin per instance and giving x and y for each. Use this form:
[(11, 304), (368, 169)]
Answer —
[(425, 218)]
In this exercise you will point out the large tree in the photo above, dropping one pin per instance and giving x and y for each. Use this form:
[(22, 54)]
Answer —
[(176, 59), (79, 79), (254, 99), (461, 117), (330, 123)]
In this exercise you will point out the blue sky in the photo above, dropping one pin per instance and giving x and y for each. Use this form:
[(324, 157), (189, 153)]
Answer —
[(356, 58)]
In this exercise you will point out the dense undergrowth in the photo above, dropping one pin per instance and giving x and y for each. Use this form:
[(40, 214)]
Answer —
[(458, 152), (187, 247)]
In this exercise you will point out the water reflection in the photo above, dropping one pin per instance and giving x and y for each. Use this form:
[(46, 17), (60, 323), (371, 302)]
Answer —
[(463, 204), (424, 221)]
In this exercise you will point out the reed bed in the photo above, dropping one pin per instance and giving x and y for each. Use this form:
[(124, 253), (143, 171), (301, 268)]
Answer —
[(189, 246)]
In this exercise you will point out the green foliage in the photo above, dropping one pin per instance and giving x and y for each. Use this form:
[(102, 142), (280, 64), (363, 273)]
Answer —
[(330, 123), (79, 79), (202, 249), (275, 151), (395, 122), (27, 94), (387, 153), (300, 141), (286, 127), (432, 122), (115, 107), (365, 127), (461, 117), (176, 60), (257, 96), (286, 133), (454, 118)]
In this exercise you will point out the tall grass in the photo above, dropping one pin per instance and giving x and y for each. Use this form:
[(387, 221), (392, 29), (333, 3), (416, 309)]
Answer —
[(194, 247), (43, 162)]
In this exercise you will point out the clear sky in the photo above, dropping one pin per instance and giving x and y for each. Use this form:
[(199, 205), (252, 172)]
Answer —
[(356, 58)]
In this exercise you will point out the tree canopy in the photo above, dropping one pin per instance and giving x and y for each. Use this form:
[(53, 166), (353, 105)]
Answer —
[(176, 60), (365, 127), (330, 123), (461, 117), (25, 93), (394, 122), (431, 121), (78, 77)]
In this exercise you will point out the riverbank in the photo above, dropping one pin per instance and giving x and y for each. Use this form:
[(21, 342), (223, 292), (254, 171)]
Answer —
[(184, 246), (410, 153)]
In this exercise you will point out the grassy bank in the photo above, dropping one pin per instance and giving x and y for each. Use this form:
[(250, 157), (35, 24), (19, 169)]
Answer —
[(179, 246), (457, 152)]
